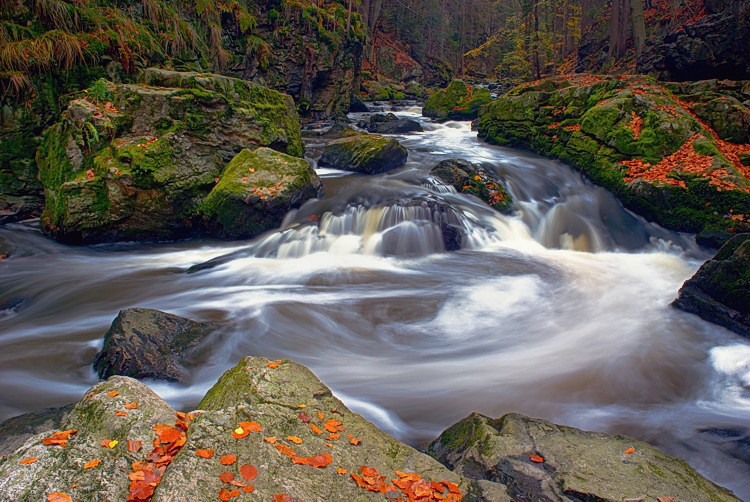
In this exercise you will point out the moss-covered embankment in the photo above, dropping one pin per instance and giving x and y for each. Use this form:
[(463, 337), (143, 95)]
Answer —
[(667, 151)]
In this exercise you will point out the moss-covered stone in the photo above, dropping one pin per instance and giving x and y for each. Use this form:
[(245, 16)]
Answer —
[(139, 167), (256, 190), (720, 291), (458, 101), (572, 464), (635, 137), (473, 179), (364, 153)]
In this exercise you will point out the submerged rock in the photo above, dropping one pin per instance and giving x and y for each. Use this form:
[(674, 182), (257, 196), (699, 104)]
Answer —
[(135, 162), (458, 101), (538, 460), (364, 153), (15, 431), (256, 191), (720, 291), (638, 138), (146, 343), (473, 179), (391, 124)]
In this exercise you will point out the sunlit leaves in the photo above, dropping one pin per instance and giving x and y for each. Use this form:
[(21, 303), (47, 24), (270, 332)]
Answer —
[(204, 453), (228, 459), (27, 460), (92, 463)]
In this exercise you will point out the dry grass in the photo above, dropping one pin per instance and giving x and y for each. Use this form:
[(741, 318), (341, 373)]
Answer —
[(60, 15), (14, 84)]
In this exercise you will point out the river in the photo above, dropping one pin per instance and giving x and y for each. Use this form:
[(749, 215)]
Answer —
[(560, 310)]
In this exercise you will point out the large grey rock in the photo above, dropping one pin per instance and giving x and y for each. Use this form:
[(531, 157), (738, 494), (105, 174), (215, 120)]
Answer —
[(146, 343), (538, 460), (473, 179), (720, 291)]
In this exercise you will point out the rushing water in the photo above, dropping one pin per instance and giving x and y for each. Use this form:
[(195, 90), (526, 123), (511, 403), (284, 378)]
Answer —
[(559, 311)]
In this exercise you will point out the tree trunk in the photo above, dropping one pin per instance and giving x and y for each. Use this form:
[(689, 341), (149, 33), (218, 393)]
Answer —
[(618, 28), (639, 26)]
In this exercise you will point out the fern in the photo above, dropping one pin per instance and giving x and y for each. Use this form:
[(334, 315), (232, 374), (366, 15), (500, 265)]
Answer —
[(247, 22)]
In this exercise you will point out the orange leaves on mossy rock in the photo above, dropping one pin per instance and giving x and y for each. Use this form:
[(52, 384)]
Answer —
[(27, 460), (121, 413), (147, 475), (341, 471), (629, 451), (58, 497), (333, 426), (204, 453), (270, 439), (92, 463), (131, 406), (411, 485), (294, 439), (282, 497), (537, 459), (635, 125), (59, 438), (228, 459), (317, 461), (245, 428), (315, 429), (109, 443), (225, 495), (226, 476)]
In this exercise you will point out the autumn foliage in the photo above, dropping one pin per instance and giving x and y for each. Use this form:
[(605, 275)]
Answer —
[(407, 486)]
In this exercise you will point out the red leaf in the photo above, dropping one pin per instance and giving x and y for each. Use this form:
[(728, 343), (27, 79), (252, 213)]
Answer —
[(228, 459), (537, 459), (248, 472)]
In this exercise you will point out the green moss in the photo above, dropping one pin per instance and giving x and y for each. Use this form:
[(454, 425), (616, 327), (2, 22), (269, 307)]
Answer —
[(457, 102)]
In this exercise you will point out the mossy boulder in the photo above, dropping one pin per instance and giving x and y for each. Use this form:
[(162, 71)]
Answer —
[(473, 179), (720, 291), (636, 137), (61, 469), (279, 418), (257, 189), (389, 123), (364, 153), (728, 116), (298, 419), (538, 460), (458, 101), (136, 162), (147, 343)]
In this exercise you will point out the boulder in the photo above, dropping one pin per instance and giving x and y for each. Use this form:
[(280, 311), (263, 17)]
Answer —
[(391, 124), (256, 191), (473, 179), (146, 343), (720, 291), (458, 101), (272, 428), (636, 137), (135, 162), (364, 153), (284, 429), (60, 466), (538, 460)]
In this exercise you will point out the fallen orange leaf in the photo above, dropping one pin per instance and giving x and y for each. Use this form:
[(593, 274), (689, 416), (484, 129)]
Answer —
[(59, 497), (121, 413), (59, 438), (134, 445), (629, 451), (109, 443), (248, 488), (113, 393), (28, 460), (225, 495), (226, 477), (294, 439), (537, 459), (303, 405), (131, 406), (228, 459), (270, 439), (321, 415), (355, 441), (341, 470), (333, 425), (282, 497), (251, 426), (249, 472), (92, 463), (285, 450), (273, 365), (204, 453), (315, 429)]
